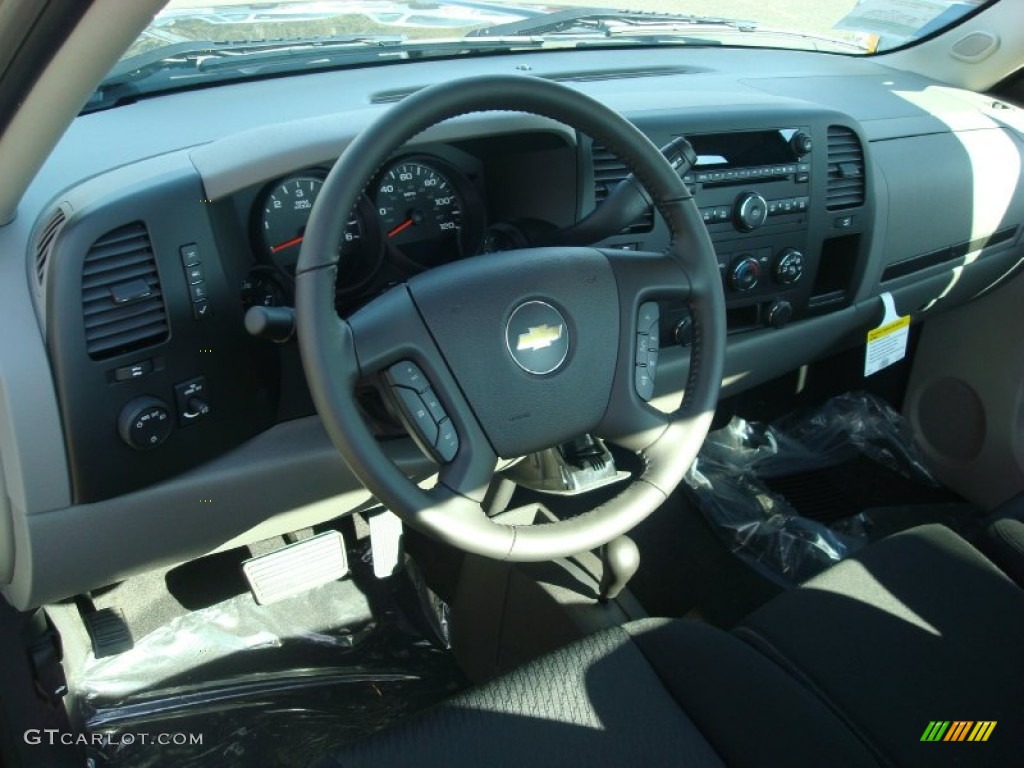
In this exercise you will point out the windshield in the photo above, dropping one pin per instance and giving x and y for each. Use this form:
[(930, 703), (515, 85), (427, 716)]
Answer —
[(192, 42)]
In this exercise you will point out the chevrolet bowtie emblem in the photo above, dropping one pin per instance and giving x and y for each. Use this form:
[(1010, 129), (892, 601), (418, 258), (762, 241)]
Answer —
[(539, 337)]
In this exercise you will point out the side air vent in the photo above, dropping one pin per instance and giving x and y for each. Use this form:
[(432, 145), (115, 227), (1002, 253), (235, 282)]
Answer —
[(845, 169), (122, 305), (45, 242), (608, 172)]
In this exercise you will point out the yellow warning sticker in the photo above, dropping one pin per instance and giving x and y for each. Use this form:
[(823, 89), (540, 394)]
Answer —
[(887, 344), (888, 328)]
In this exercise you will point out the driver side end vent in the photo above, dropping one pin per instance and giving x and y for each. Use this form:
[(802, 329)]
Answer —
[(845, 187), (44, 245), (609, 170), (122, 305)]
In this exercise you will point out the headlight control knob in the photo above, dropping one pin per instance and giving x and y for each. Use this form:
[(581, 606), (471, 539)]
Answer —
[(751, 211), (145, 423)]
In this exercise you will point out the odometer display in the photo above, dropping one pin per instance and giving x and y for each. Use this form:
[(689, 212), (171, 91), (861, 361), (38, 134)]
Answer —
[(420, 212)]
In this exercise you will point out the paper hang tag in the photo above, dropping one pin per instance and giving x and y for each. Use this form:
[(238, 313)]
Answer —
[(385, 543), (887, 344)]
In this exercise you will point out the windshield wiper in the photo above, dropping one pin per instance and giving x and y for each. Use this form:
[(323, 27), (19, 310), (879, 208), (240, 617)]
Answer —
[(605, 21), (194, 62)]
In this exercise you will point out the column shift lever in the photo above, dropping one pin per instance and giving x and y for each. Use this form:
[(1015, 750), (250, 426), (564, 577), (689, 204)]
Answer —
[(620, 558)]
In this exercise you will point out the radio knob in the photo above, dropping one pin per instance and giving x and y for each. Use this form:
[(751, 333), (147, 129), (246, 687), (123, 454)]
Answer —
[(789, 267), (801, 143), (744, 274), (751, 211)]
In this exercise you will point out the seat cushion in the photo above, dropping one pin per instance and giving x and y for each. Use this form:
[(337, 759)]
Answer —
[(919, 627), (624, 697), (1002, 538)]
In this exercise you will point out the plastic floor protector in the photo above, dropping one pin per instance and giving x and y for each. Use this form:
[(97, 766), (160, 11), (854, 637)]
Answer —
[(760, 526), (274, 685)]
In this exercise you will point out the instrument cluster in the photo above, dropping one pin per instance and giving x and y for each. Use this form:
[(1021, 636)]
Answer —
[(419, 212)]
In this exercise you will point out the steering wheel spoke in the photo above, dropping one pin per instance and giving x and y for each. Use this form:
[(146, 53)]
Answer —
[(394, 348), (648, 283)]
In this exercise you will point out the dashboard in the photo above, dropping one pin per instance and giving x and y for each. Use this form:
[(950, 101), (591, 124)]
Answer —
[(824, 181)]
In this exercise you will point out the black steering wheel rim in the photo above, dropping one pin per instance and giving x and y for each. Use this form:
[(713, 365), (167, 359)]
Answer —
[(336, 352)]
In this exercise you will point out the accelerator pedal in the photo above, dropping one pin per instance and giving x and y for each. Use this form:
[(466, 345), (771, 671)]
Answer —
[(297, 568)]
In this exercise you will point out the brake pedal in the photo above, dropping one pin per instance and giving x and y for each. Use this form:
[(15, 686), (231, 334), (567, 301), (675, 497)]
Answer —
[(297, 568), (108, 632)]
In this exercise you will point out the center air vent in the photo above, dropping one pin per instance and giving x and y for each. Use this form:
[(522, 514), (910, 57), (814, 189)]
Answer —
[(845, 169), (122, 305), (609, 170)]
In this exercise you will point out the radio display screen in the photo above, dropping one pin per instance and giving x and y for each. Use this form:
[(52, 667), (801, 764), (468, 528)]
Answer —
[(747, 149)]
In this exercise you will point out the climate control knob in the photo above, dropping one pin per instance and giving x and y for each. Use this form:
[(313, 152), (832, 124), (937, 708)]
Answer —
[(144, 423), (744, 274), (789, 267), (751, 211)]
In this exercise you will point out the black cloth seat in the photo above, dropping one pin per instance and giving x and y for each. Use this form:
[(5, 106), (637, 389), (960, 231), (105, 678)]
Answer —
[(1002, 538), (915, 628), (808, 680)]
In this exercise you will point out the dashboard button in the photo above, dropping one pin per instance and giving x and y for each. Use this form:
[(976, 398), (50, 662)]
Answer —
[(447, 444), (194, 273), (407, 374), (189, 254), (198, 291), (417, 415), (201, 310), (135, 371)]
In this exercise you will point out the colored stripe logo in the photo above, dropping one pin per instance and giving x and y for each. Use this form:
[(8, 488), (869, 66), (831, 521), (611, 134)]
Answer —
[(958, 730)]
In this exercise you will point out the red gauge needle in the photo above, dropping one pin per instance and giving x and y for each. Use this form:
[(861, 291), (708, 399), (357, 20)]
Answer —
[(401, 227), (286, 244)]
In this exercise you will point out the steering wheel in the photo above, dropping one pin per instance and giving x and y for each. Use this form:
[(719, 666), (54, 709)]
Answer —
[(521, 349)]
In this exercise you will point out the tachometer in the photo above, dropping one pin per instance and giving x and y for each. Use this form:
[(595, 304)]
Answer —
[(282, 224), (420, 211)]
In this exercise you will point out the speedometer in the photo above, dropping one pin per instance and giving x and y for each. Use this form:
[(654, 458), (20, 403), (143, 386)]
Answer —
[(420, 211)]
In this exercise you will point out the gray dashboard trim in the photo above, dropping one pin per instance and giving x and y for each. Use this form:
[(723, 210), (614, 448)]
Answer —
[(72, 549), (254, 157)]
